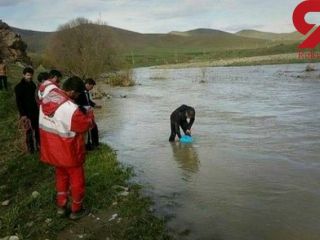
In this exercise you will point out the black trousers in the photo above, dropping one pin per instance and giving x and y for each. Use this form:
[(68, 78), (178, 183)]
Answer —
[(174, 131), (3, 82), (33, 136), (93, 138)]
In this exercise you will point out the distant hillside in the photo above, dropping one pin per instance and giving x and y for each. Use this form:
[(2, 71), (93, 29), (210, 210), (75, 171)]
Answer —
[(194, 40), (202, 32), (178, 47), (294, 36), (36, 41)]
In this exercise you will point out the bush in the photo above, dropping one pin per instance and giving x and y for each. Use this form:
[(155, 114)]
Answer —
[(122, 79)]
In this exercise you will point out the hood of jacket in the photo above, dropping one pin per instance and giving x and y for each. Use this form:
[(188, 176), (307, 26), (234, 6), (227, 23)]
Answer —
[(53, 100)]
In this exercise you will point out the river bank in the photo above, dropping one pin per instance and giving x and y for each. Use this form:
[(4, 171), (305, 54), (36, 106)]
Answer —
[(27, 211), (286, 58)]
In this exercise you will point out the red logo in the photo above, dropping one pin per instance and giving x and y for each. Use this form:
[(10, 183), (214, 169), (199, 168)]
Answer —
[(303, 27)]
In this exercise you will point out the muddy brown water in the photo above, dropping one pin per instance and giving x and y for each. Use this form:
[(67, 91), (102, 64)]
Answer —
[(253, 170)]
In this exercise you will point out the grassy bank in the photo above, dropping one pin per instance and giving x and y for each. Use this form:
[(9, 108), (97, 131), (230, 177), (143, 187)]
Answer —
[(244, 61), (164, 57), (276, 53), (27, 192)]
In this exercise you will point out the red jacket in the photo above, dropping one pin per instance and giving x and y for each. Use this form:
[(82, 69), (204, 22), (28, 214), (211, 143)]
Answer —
[(62, 125), (44, 88)]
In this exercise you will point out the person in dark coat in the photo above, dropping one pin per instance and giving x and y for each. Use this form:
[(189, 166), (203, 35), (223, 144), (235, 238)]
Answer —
[(3, 75), (28, 108), (85, 102), (179, 118)]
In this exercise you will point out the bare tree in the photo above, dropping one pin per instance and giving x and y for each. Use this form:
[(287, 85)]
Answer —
[(84, 48)]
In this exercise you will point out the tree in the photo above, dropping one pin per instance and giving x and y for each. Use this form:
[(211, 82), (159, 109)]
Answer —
[(84, 48)]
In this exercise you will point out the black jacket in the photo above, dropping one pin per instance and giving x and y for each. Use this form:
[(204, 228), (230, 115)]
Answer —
[(179, 116), (25, 99), (84, 100)]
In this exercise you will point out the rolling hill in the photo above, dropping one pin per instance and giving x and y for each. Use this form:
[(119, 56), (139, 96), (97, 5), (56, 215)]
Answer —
[(294, 36), (194, 40), (176, 47)]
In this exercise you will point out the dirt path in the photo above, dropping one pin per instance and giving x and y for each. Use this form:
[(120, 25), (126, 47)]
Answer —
[(98, 226)]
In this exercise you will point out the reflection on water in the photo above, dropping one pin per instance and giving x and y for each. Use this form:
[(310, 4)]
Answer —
[(186, 157), (253, 170)]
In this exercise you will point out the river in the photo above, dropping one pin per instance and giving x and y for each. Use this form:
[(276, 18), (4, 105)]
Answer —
[(253, 170)]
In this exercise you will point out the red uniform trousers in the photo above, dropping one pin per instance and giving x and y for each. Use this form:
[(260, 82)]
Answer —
[(72, 179)]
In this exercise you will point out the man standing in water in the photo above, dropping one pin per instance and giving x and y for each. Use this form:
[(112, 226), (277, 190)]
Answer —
[(179, 118)]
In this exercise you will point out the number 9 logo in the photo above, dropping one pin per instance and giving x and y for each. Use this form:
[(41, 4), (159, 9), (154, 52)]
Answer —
[(303, 27)]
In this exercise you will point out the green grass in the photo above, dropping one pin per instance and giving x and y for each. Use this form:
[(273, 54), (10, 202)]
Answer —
[(31, 217), (157, 57)]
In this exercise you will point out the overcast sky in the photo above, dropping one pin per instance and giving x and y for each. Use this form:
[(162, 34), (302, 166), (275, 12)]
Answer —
[(154, 16)]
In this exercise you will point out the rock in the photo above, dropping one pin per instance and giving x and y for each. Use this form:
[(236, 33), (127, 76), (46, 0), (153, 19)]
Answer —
[(10, 238), (13, 238), (120, 187), (310, 68), (12, 48), (48, 220), (113, 217), (123, 194), (5, 203), (29, 224), (35, 194)]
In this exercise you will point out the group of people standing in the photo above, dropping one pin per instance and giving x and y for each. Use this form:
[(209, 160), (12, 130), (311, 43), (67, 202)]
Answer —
[(28, 98), (56, 120), (59, 122)]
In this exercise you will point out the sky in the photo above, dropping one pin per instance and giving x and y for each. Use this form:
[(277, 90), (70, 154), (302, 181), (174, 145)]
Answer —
[(155, 16)]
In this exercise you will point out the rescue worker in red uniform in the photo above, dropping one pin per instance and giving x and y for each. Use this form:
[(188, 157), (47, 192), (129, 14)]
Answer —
[(47, 85), (62, 125)]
